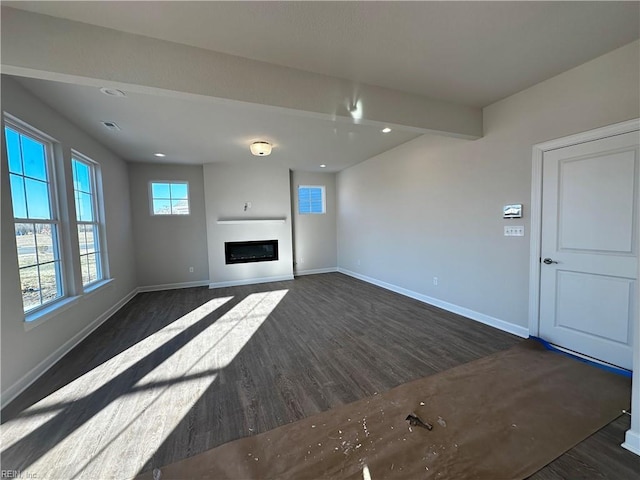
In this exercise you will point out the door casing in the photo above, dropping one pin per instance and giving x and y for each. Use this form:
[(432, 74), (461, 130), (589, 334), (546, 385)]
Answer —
[(536, 208), (632, 437)]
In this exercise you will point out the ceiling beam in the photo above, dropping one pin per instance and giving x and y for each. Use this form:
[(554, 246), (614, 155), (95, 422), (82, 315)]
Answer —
[(51, 48)]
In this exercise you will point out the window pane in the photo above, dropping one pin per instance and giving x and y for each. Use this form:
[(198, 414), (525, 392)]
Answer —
[(162, 207), (180, 207), (310, 200), (92, 268), (49, 281), (179, 191), (84, 265), (92, 236), (30, 287), (82, 239), (86, 211), (26, 244), (44, 242), (17, 197), (13, 150), (34, 159), (160, 190), (81, 176), (38, 199)]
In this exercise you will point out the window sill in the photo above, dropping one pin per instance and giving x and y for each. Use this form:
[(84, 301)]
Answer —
[(32, 320), (39, 317), (96, 287)]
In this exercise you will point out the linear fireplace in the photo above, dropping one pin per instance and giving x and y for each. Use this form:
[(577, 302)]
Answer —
[(246, 252)]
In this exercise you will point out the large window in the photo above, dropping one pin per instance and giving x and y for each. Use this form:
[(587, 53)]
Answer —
[(169, 198), (35, 215), (311, 199), (87, 216)]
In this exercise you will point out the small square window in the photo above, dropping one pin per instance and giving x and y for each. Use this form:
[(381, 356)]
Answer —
[(311, 199), (169, 198)]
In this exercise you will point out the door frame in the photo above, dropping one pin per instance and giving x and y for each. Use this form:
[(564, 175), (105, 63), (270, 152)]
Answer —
[(536, 204), (632, 442)]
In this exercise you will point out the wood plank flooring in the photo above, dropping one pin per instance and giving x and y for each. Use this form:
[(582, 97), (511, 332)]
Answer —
[(192, 384)]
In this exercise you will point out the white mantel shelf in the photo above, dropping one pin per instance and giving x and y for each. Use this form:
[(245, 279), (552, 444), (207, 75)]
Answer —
[(237, 221)]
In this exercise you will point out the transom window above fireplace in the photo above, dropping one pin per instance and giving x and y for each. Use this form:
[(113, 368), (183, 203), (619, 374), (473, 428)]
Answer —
[(311, 199)]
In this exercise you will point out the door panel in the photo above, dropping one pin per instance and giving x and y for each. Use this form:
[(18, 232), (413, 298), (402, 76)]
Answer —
[(609, 300), (601, 187), (589, 232)]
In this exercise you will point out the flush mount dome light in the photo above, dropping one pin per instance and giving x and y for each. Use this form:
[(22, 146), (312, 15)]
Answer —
[(260, 149)]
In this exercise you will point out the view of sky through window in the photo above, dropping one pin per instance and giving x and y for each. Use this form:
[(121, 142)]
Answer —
[(35, 223), (170, 198)]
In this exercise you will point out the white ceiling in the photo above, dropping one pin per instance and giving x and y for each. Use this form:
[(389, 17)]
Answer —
[(205, 131), (472, 53)]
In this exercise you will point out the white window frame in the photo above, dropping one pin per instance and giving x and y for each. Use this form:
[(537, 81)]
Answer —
[(100, 241), (62, 284), (324, 199), (169, 182)]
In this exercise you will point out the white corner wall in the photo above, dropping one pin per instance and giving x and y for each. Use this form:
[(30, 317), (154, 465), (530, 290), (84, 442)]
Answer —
[(433, 206), (315, 244), (227, 189), (26, 354)]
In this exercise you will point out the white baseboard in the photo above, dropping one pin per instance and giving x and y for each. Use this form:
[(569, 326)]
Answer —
[(315, 271), (632, 442), (250, 281), (465, 312), (173, 286), (21, 385)]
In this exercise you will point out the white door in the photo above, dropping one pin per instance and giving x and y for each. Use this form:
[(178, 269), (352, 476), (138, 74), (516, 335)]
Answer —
[(588, 248)]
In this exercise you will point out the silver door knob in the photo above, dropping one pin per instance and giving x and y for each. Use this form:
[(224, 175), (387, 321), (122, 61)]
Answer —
[(548, 261)]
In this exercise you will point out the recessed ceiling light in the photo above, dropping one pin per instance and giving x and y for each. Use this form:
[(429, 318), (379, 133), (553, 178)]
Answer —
[(111, 126), (113, 92), (159, 155), (323, 166), (386, 130)]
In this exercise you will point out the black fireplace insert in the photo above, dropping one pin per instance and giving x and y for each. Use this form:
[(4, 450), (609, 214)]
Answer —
[(247, 252)]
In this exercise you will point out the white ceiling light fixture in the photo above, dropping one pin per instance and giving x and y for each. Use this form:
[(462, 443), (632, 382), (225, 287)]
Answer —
[(323, 166), (260, 149), (385, 130), (113, 92), (160, 155)]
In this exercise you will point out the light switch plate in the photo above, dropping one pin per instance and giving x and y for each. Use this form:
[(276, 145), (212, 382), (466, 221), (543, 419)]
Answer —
[(514, 231)]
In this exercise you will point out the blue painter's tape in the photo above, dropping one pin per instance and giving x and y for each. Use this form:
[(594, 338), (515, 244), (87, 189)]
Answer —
[(608, 368)]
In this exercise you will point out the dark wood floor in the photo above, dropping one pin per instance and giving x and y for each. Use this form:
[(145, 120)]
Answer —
[(330, 341)]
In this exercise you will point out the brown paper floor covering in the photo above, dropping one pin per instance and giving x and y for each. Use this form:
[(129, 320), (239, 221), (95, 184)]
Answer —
[(504, 416)]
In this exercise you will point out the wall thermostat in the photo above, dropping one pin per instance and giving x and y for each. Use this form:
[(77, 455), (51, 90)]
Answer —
[(512, 211)]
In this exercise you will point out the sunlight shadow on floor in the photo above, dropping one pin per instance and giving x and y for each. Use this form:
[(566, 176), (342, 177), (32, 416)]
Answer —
[(120, 438)]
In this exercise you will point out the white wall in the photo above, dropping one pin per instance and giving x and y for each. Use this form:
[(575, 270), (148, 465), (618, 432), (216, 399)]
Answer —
[(227, 188), (28, 353), (432, 207), (315, 244), (167, 246)]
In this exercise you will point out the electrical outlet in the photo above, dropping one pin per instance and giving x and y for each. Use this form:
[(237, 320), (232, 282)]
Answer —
[(190, 269), (435, 280), (514, 231)]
